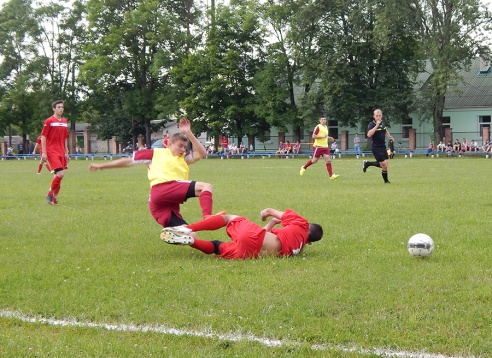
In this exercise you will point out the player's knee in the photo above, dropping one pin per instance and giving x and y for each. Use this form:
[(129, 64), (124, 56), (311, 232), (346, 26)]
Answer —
[(200, 187)]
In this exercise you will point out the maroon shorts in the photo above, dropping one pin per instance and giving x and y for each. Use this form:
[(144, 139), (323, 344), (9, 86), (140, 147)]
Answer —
[(247, 238), (320, 151), (165, 198)]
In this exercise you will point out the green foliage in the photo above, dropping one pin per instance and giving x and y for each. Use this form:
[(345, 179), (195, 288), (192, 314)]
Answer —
[(368, 52), (217, 80), (97, 260), (132, 46)]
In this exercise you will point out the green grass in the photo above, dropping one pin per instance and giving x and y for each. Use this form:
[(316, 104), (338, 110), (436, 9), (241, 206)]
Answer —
[(97, 259)]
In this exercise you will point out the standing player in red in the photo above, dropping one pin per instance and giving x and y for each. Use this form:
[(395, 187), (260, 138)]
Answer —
[(40, 165), (54, 148), (249, 240), (321, 149), (165, 141), (167, 170)]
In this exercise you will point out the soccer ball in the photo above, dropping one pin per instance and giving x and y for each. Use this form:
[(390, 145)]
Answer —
[(420, 245)]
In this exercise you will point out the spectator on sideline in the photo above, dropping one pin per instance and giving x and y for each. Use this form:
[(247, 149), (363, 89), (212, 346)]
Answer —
[(449, 149), (168, 175), (441, 147), (473, 146), (321, 149), (457, 146), (288, 148), (296, 149), (430, 149), (486, 146), (249, 240), (334, 149), (281, 150), (378, 130), (54, 137), (357, 144)]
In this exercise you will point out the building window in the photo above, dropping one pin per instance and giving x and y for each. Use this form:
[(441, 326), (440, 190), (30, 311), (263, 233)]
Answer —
[(332, 128), (483, 122), (406, 125), (267, 136), (446, 123)]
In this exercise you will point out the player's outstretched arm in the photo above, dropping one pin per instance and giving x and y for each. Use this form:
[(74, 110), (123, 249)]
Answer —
[(199, 150), (120, 163), (265, 213)]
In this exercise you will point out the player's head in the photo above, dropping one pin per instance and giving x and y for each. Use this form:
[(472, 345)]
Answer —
[(378, 113), (322, 120), (315, 232), (56, 103), (178, 143)]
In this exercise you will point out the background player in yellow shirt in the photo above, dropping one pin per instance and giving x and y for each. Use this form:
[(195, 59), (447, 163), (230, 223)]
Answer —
[(168, 175), (321, 149)]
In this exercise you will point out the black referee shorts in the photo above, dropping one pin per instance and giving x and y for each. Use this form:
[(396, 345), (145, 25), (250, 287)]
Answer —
[(380, 153)]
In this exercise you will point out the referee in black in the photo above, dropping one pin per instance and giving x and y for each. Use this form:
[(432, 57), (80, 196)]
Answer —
[(378, 130)]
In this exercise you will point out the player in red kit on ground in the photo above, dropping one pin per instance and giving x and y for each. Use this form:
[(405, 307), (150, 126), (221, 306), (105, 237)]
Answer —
[(54, 148), (249, 240)]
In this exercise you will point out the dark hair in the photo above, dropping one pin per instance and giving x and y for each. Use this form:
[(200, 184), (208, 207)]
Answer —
[(315, 232), (57, 102)]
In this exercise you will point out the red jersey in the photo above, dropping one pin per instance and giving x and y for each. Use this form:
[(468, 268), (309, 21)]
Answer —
[(293, 234), (224, 143), (56, 133)]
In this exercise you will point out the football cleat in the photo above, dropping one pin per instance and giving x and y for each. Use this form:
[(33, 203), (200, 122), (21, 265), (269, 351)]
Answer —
[(364, 166), (176, 239), (181, 230), (334, 176), (303, 170)]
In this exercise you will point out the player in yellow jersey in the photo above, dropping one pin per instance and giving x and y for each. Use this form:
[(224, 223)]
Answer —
[(168, 175), (321, 149)]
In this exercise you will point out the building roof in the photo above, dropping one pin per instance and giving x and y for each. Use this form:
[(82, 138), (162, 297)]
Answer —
[(475, 89)]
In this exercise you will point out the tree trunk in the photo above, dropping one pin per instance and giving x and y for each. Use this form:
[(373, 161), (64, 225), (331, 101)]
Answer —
[(438, 111)]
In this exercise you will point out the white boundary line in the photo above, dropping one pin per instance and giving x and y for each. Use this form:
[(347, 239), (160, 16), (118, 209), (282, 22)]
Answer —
[(224, 337)]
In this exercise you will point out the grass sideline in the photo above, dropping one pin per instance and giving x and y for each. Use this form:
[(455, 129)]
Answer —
[(97, 259)]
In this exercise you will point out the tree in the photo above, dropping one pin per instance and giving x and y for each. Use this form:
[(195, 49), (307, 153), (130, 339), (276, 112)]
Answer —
[(217, 81), (60, 38), (452, 34), (19, 69), (132, 46), (368, 55)]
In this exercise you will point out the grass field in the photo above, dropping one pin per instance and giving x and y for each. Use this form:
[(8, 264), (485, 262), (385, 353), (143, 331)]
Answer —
[(92, 278)]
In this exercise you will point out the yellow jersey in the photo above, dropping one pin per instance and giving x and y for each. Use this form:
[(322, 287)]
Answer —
[(321, 142)]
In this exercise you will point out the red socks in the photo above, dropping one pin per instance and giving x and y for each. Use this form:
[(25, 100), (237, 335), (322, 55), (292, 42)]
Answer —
[(207, 247), (206, 202), (213, 222), (55, 185), (329, 168), (309, 162)]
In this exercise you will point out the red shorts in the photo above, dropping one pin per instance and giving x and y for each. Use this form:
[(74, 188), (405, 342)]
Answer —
[(57, 162), (320, 151), (165, 198), (247, 238)]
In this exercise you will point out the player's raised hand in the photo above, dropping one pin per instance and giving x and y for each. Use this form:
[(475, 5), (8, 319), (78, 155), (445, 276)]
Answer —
[(184, 125)]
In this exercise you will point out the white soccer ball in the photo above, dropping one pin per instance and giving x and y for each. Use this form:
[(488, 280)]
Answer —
[(420, 245)]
